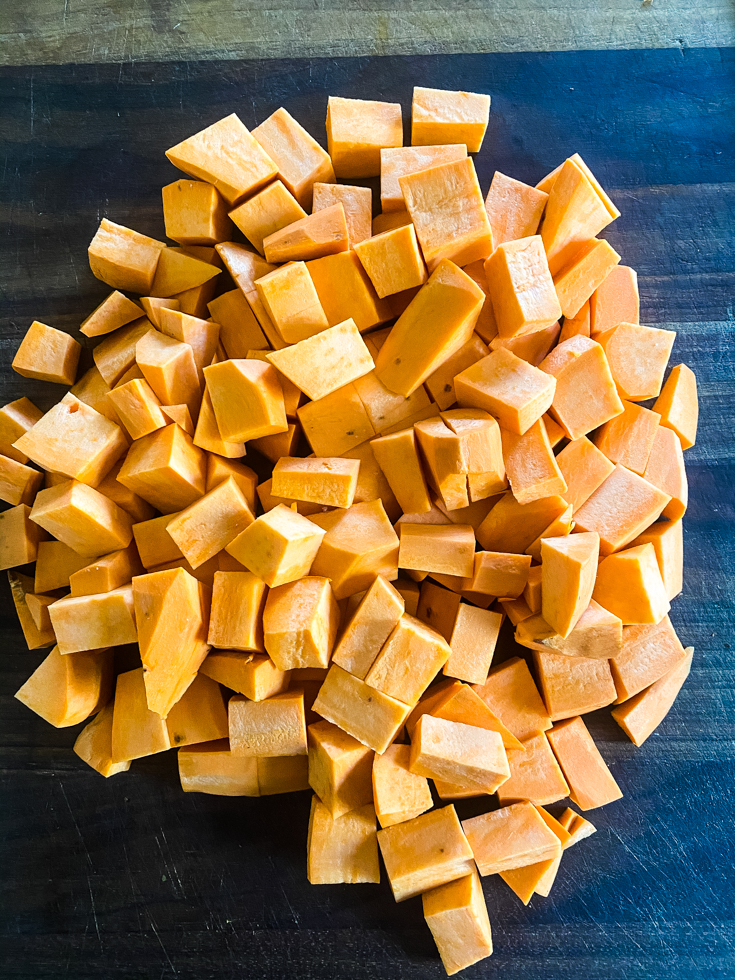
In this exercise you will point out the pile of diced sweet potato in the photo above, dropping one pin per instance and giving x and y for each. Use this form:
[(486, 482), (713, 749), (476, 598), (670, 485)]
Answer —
[(450, 398)]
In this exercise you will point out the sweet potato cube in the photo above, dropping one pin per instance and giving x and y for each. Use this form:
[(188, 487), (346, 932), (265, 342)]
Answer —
[(342, 849), (615, 300), (357, 203), (273, 727), (512, 696), (171, 609), (535, 775), (480, 448), (641, 715), (194, 213), (227, 155), (325, 362), (138, 407), (37, 632), (598, 635), (392, 219), (18, 483), (530, 465), (90, 622), (240, 331), (584, 468), (107, 573), (301, 161), (665, 470), (169, 367), (511, 837), (345, 291), (166, 469), (124, 258), (621, 508), (116, 310), (179, 270), (282, 774), (434, 548), (498, 574), (94, 744), (38, 609), (397, 162), (513, 208), (647, 654), (207, 434), (200, 715), (16, 418), (440, 384), (318, 234), (153, 306), (397, 456), (292, 303), (367, 714), (410, 658), (211, 768), (454, 701), (511, 527), (82, 518), (377, 614), (358, 546), (247, 399), (254, 675), (425, 852), (357, 130), (331, 482), (74, 440), (238, 599), (569, 567), (55, 563), (512, 390), (637, 357), (201, 335), (278, 547), (448, 213), (442, 116), (537, 878), (678, 406), (300, 622), (399, 794), (47, 354), (136, 730), (579, 365), (211, 523), (459, 754), (629, 584), (340, 769), (668, 544), (560, 526), (457, 915), (393, 261), (521, 288), (115, 358), (591, 782), (628, 438), (472, 642), (576, 282), (573, 685), (577, 326), (66, 690), (576, 211)]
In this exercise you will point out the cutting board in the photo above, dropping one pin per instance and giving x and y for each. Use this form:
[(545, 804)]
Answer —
[(129, 877)]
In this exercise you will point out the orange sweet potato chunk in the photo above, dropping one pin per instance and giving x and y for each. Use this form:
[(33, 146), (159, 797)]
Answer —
[(47, 354), (577, 281), (357, 130), (678, 406), (637, 357), (629, 438), (573, 685), (648, 652), (463, 755), (345, 291), (521, 287), (116, 310), (444, 116), (511, 837), (569, 566), (511, 694), (318, 234), (668, 543), (514, 208), (448, 549), (585, 394), (124, 258), (457, 915), (393, 261), (530, 464), (194, 213), (584, 469), (399, 794), (590, 781), (512, 527), (340, 768), (535, 775), (630, 586), (615, 300), (397, 162), (67, 690), (515, 392), (358, 207), (640, 716), (301, 161)]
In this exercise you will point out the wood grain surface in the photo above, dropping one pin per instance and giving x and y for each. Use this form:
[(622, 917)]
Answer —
[(131, 878), (90, 31)]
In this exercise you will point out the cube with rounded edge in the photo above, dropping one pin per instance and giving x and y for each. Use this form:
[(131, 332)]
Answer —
[(342, 849), (83, 519), (357, 129), (166, 469), (512, 695), (212, 768), (208, 525), (66, 690), (514, 208), (268, 211), (472, 641), (340, 768), (18, 483), (194, 213), (515, 392), (136, 730), (521, 288), (124, 258), (16, 418), (300, 621), (393, 260), (628, 439), (247, 399), (411, 657), (47, 354), (138, 407), (398, 793), (274, 727), (278, 547), (116, 310)]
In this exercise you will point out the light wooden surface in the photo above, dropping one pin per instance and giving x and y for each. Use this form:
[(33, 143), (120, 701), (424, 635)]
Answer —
[(36, 32)]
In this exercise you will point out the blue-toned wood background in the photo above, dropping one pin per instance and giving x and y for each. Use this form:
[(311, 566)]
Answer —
[(129, 877)]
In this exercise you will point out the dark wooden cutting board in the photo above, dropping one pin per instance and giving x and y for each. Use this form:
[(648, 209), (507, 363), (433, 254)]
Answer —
[(129, 877)]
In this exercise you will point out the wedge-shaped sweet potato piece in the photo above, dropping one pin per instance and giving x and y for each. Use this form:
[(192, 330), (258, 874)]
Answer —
[(67, 690), (615, 300), (211, 768), (94, 744), (342, 849), (512, 696), (171, 612), (47, 354), (425, 852), (637, 357), (318, 234), (576, 282), (107, 573), (598, 635), (397, 162), (254, 675), (397, 456), (410, 658), (300, 622), (629, 584), (90, 622), (200, 715), (640, 716), (576, 826), (138, 407), (227, 155), (247, 399), (74, 440), (458, 702), (114, 311), (457, 915), (292, 302), (325, 362), (367, 714), (371, 624), (667, 540), (511, 837), (665, 470), (447, 549), (569, 566), (208, 525), (577, 326), (300, 160), (621, 508), (514, 208), (16, 418), (591, 782), (461, 754), (37, 632), (535, 775), (530, 465), (678, 406), (340, 769), (179, 270), (266, 212), (584, 468), (153, 306), (648, 653), (18, 483), (512, 390), (136, 730), (357, 130), (278, 547), (273, 727), (442, 116), (124, 258), (239, 327), (398, 793), (82, 518), (201, 335), (207, 434), (628, 438), (448, 213), (166, 469), (169, 367), (345, 291)]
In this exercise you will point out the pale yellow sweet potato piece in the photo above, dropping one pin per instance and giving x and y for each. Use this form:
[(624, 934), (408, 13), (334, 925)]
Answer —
[(535, 775), (67, 690), (398, 793), (509, 838), (457, 915), (342, 849), (340, 768)]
